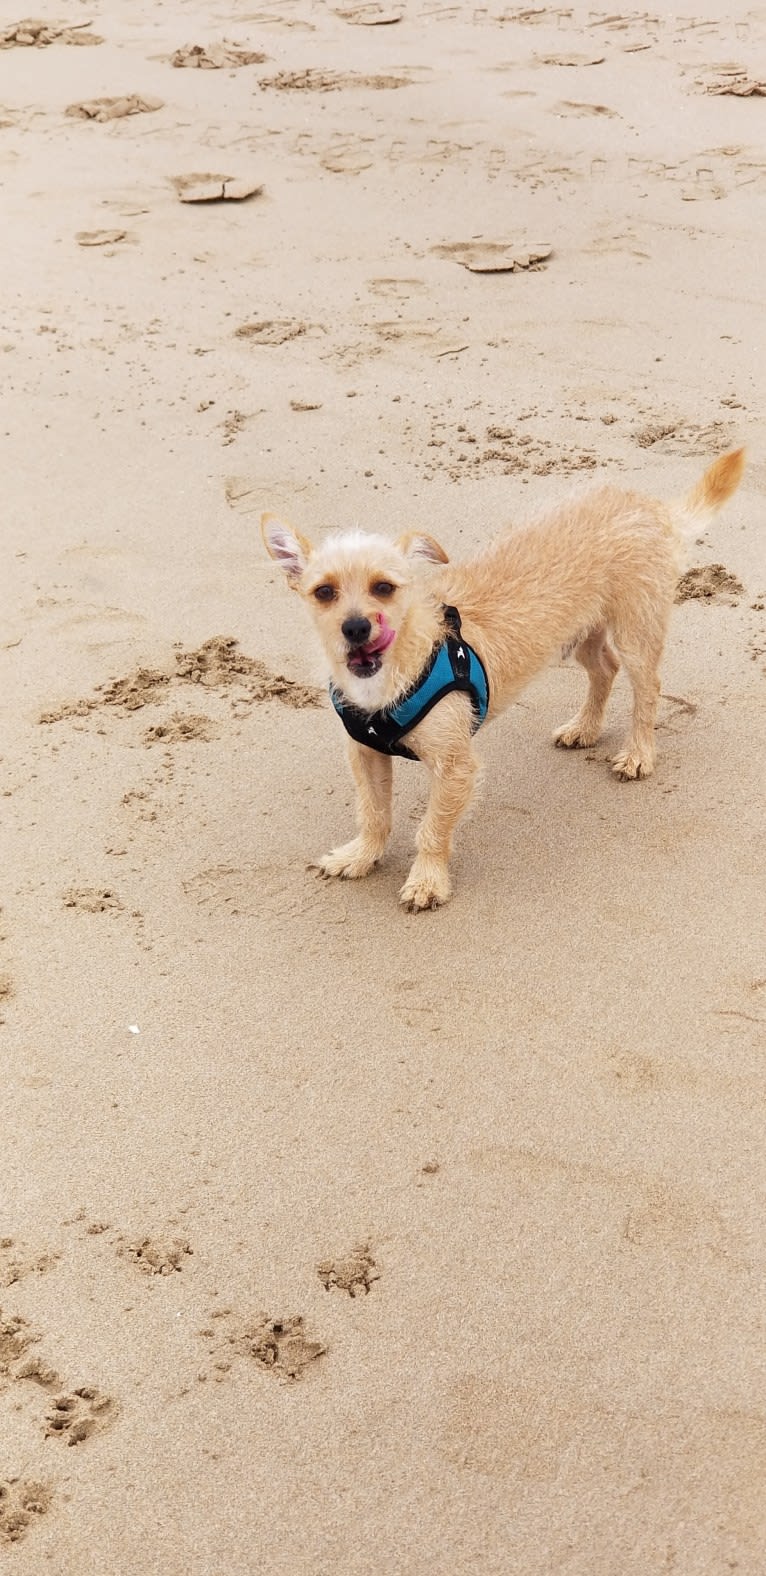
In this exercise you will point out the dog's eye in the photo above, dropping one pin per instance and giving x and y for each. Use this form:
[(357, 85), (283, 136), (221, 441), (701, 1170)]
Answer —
[(325, 593), (382, 588)]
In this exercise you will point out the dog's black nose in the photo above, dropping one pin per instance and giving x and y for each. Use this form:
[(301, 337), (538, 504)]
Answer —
[(356, 630)]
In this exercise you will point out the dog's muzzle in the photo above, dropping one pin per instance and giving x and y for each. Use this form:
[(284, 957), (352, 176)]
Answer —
[(365, 655)]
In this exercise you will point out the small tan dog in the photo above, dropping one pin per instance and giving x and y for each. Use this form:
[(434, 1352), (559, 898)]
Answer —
[(596, 575)]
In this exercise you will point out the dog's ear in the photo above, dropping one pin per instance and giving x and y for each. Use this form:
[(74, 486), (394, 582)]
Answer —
[(414, 544), (286, 546)]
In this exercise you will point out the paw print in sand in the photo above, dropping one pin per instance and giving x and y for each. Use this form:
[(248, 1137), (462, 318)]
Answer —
[(20, 1500), (16, 1261), (354, 1272), (279, 1344), (157, 1256), (74, 1417), (15, 1337)]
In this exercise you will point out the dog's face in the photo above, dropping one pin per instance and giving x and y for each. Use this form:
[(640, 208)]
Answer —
[(363, 592)]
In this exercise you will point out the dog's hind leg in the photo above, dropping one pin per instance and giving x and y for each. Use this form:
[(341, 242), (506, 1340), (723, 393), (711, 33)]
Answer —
[(595, 654), (373, 777), (642, 663)]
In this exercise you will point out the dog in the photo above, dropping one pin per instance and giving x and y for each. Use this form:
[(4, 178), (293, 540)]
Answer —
[(596, 576)]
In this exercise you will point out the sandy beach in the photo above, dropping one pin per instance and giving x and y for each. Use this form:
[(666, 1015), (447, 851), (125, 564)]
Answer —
[(333, 1238)]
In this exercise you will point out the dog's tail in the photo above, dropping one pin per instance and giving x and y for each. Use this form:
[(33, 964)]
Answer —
[(720, 480)]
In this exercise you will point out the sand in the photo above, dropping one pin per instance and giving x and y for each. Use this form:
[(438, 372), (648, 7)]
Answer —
[(332, 1238)]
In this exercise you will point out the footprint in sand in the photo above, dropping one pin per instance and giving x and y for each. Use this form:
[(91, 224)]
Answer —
[(7, 990), (279, 1344), (217, 57), (156, 1255), (16, 1262), (396, 289), (22, 1501), (352, 1272), (704, 188), (180, 729), (573, 107), (542, 1437), (74, 1417), (153, 1254), (103, 109), (347, 158), (272, 331), (664, 1216), (417, 336), (15, 1336), (709, 583), (102, 237), (92, 900), (36, 35), (733, 80)]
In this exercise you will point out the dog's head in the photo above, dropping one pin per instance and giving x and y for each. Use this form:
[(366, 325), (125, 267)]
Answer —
[(374, 615)]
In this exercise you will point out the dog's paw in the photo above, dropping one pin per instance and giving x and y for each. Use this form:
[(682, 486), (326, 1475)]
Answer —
[(575, 735), (427, 886), (630, 766), (350, 862)]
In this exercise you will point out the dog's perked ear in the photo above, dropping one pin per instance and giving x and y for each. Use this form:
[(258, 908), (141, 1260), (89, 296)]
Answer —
[(415, 544), (286, 546)]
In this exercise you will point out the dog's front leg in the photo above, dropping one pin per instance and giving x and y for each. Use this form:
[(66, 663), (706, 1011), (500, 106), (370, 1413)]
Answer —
[(373, 778), (452, 784)]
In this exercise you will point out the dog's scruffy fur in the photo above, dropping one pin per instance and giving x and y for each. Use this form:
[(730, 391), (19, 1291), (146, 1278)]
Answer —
[(597, 576)]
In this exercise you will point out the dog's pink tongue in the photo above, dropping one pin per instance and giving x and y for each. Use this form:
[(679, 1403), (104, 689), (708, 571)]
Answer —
[(382, 640)]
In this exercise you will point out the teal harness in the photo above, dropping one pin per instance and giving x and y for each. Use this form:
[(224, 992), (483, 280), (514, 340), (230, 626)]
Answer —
[(452, 666)]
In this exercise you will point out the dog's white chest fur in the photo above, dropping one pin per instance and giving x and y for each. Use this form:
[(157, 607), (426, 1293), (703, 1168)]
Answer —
[(366, 694)]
